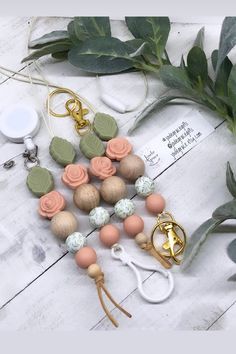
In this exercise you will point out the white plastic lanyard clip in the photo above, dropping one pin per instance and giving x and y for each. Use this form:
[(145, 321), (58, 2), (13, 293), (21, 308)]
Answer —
[(118, 252)]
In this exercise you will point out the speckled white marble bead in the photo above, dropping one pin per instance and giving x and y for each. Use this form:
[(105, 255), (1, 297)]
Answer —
[(144, 186), (124, 208), (99, 217), (75, 242)]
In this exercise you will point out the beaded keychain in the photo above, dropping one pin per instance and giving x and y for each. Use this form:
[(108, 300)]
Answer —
[(104, 128), (113, 190)]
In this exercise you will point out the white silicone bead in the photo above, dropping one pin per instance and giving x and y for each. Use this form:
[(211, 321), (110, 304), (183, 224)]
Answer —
[(75, 242), (144, 186), (99, 217), (124, 208)]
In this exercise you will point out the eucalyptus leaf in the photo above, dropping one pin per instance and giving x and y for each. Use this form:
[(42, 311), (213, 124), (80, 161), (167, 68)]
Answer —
[(104, 55), (49, 38), (83, 28), (200, 38), (138, 47), (232, 278), (49, 49), (60, 55), (225, 211), (231, 250), (139, 51), (155, 105), (197, 65), (232, 87), (167, 57), (182, 63), (227, 39), (214, 58), (221, 82), (224, 99), (175, 78), (154, 30), (197, 239), (230, 180), (72, 33)]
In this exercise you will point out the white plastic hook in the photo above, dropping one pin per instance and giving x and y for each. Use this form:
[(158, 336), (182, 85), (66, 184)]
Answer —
[(118, 252)]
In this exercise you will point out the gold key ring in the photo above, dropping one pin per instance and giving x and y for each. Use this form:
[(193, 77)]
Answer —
[(56, 92)]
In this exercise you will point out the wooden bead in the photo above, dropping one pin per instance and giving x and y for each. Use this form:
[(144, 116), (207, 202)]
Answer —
[(113, 189), (131, 167), (109, 235), (141, 238), (133, 225), (155, 204), (94, 271), (63, 224), (86, 197), (85, 257)]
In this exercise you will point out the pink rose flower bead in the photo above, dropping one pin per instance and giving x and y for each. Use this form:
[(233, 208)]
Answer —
[(75, 175), (102, 167), (118, 148), (50, 204)]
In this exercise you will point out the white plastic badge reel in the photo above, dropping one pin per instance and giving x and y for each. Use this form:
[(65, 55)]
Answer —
[(19, 124)]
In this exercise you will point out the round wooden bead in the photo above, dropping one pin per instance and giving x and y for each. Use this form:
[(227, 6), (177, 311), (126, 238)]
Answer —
[(109, 235), (63, 224), (132, 167), (133, 225), (141, 238), (113, 189), (94, 271), (155, 203), (86, 197), (85, 257)]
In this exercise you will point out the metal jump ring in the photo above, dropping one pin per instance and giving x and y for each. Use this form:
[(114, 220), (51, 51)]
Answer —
[(55, 92), (31, 162)]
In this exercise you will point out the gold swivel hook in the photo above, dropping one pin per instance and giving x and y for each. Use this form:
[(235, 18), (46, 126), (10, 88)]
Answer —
[(175, 236), (74, 109)]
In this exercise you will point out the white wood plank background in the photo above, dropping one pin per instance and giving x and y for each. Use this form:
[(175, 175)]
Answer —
[(41, 287)]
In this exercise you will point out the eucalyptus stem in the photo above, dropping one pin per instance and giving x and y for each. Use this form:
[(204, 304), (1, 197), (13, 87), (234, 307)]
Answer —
[(146, 67)]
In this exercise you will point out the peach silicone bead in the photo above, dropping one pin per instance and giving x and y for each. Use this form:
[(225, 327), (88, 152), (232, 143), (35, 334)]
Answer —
[(109, 235), (155, 203), (85, 257), (133, 225)]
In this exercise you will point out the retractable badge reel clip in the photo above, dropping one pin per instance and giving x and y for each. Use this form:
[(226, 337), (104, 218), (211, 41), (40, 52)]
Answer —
[(19, 124)]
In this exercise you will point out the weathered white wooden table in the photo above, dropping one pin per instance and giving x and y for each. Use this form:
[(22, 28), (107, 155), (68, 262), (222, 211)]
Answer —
[(40, 285)]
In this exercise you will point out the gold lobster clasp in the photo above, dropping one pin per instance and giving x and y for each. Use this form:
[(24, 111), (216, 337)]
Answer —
[(174, 237), (74, 109), (77, 112)]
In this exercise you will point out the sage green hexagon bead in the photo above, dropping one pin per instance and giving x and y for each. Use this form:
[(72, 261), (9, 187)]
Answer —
[(144, 186), (124, 208)]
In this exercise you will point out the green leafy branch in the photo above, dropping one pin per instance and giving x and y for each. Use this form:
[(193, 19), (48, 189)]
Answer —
[(89, 45), (224, 212)]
